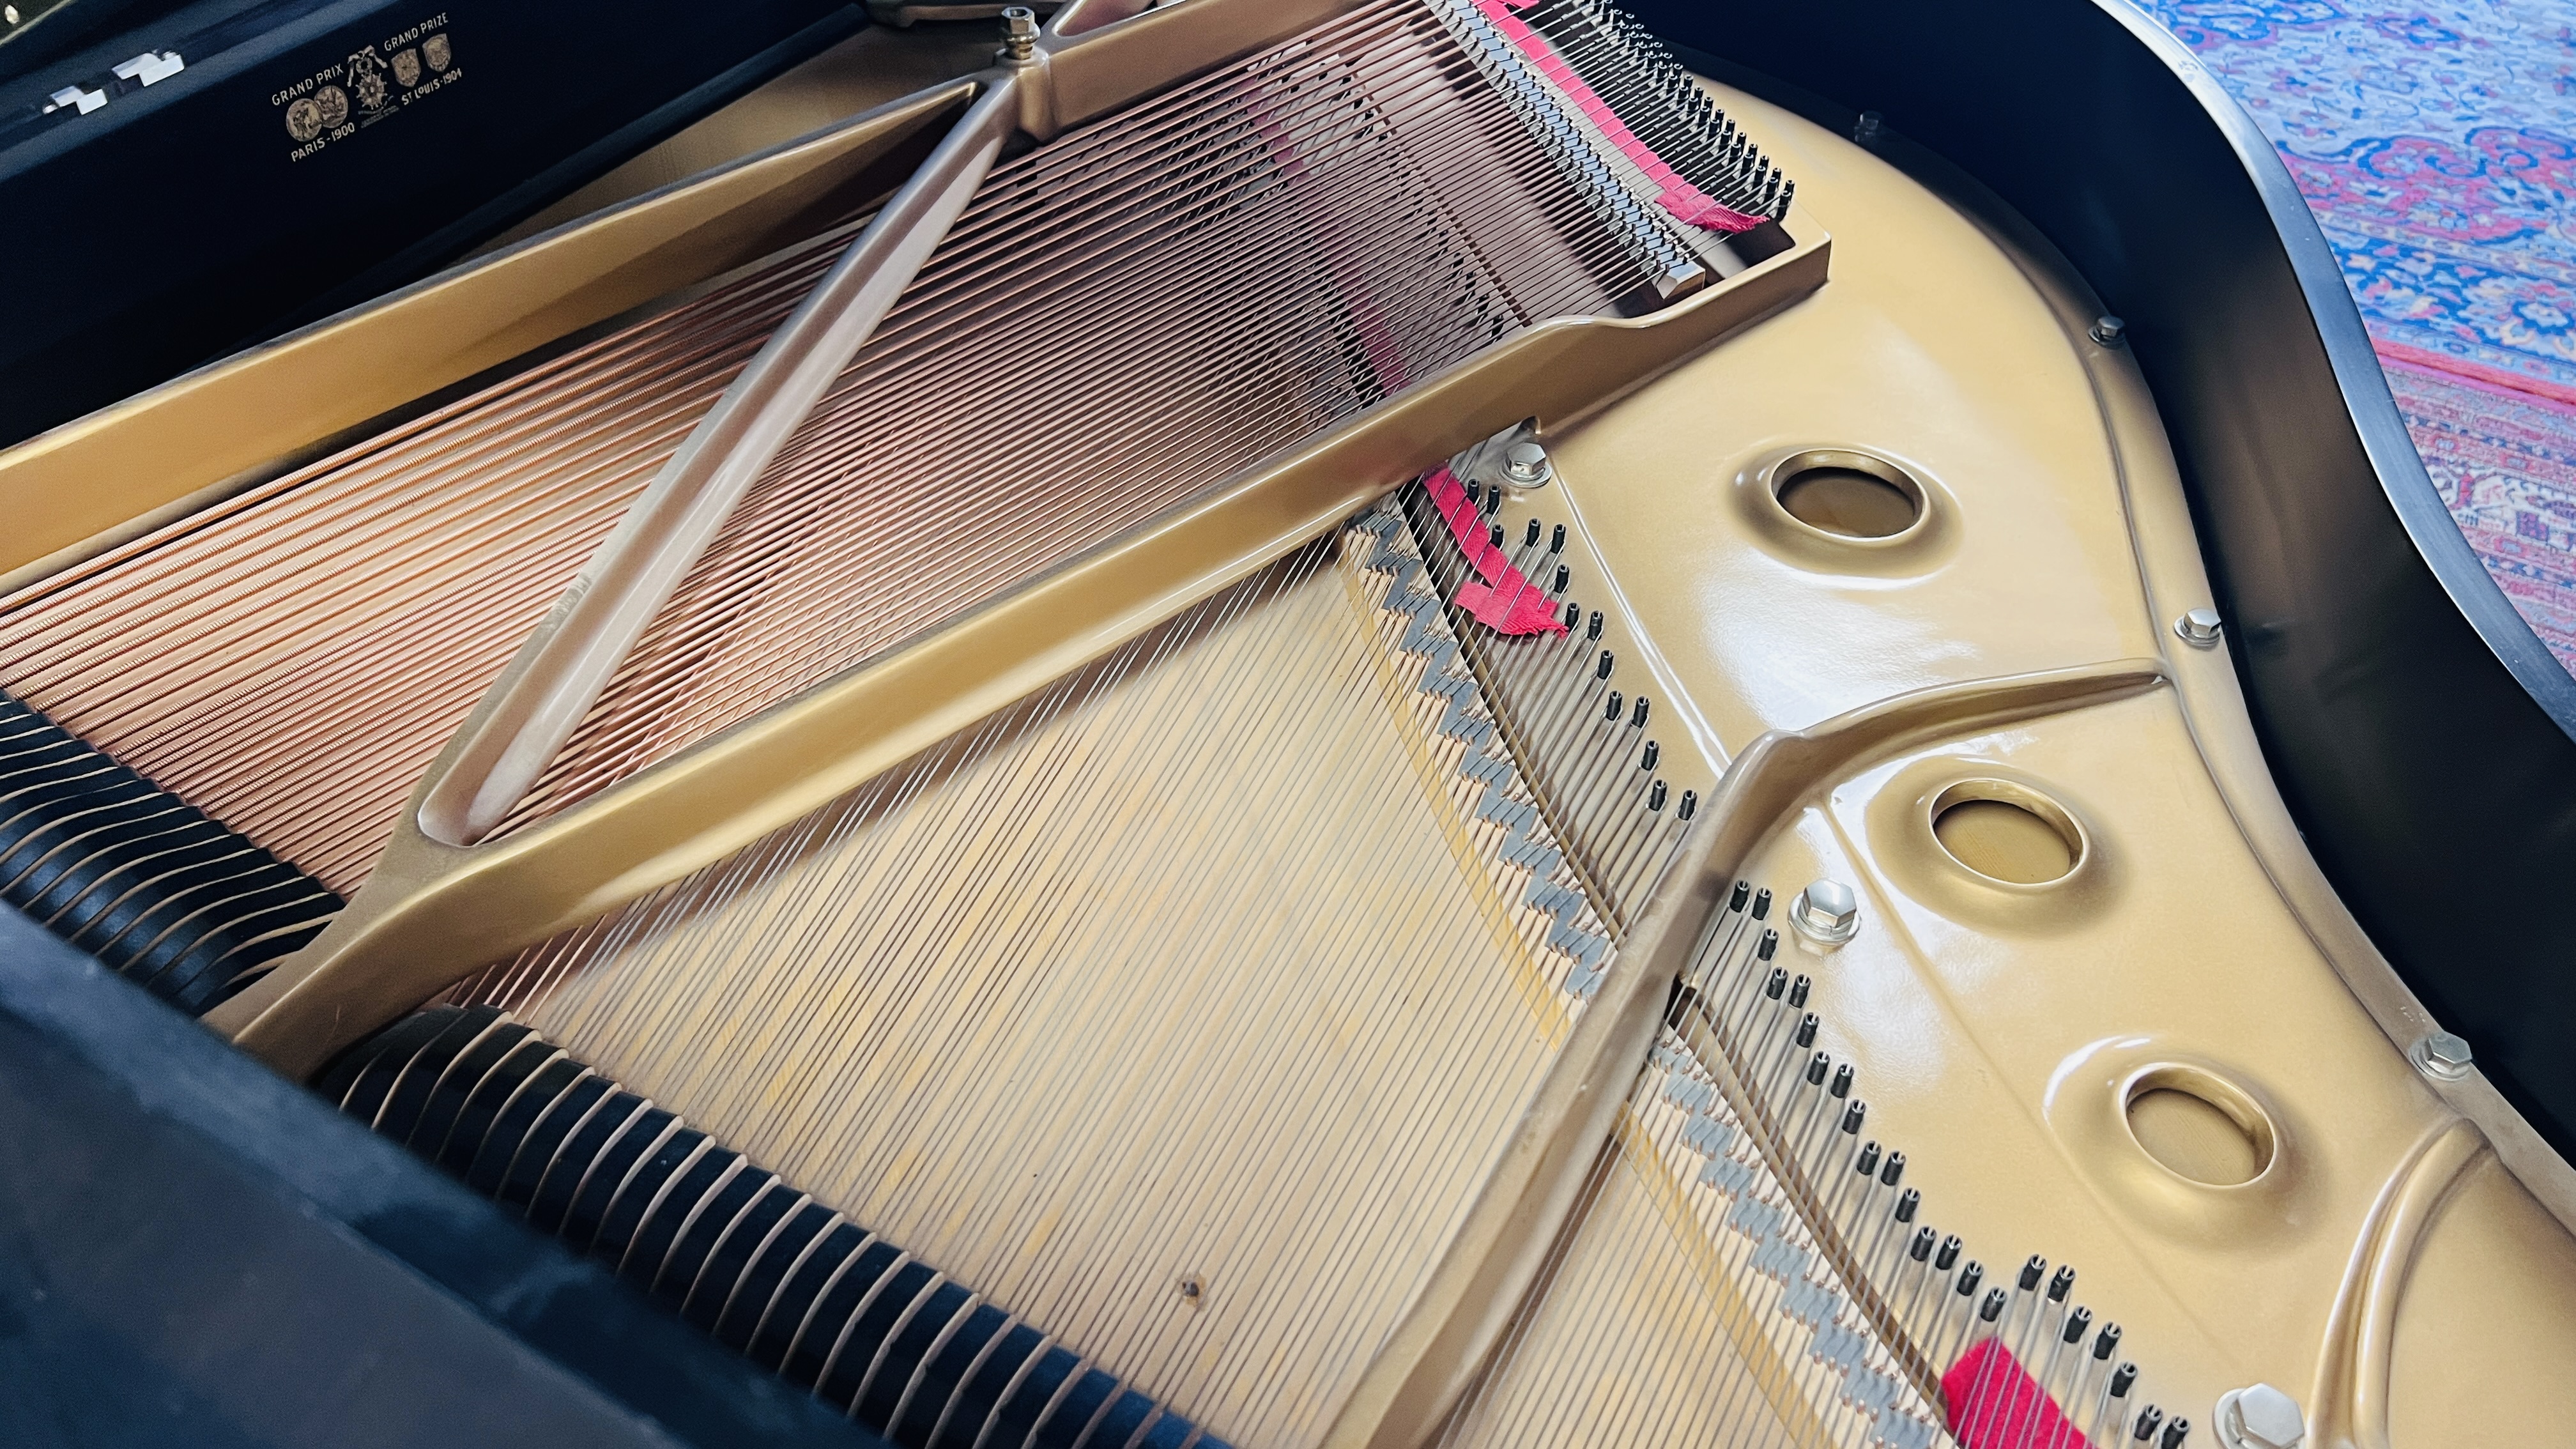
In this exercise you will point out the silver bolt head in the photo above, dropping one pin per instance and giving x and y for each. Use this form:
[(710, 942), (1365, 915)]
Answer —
[(1525, 465), (2260, 1417), (2443, 1055), (2108, 330), (1826, 911), (2199, 628)]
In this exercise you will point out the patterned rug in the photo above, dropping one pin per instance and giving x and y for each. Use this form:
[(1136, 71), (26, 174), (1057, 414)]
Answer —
[(2437, 146)]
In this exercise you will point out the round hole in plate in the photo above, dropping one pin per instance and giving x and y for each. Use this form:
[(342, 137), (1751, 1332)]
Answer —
[(2006, 832), (1849, 495), (2199, 1126)]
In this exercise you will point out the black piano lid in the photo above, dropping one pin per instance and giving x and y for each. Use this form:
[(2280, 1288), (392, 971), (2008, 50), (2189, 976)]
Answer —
[(2421, 734), (178, 221), (193, 1250)]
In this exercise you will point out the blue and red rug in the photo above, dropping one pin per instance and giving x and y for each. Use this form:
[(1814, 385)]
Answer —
[(2437, 146)]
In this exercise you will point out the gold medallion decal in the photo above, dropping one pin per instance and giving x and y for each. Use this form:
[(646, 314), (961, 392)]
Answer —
[(330, 105)]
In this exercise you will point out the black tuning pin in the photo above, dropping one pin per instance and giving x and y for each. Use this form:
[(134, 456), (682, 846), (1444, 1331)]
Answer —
[(1843, 1081), (2078, 1323), (1908, 1203), (2177, 1429), (1494, 537), (1920, 1250), (1530, 539), (1690, 804), (1993, 1307), (2032, 1272), (1949, 1255), (1853, 1116), (1817, 1066), (1770, 946), (1593, 631), (1969, 1277), (1798, 991), (1611, 715), (1564, 576), (1637, 719), (1573, 616), (1806, 1034), (1743, 893), (1653, 753), (1894, 1171), (2106, 1343), (1655, 796), (2148, 1418), (1867, 1162), (2061, 1285), (1762, 904), (1556, 540), (1601, 667)]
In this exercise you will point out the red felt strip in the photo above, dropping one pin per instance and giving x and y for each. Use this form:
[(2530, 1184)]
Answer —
[(1500, 597), (1996, 1404), (1679, 197)]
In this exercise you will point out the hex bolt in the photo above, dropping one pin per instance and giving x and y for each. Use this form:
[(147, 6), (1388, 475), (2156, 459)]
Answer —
[(2259, 1416), (1525, 465), (2199, 628), (2108, 330), (1019, 34), (1826, 912), (2440, 1054)]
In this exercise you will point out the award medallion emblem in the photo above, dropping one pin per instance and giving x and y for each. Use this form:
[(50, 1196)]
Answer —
[(434, 51), (304, 120), (407, 68), (333, 103)]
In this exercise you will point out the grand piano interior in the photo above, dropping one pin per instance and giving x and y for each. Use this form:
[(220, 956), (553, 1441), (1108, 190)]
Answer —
[(1357, 722)]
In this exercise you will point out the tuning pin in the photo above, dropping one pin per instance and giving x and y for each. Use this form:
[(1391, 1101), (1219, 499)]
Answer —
[(1592, 631), (2061, 1285), (1637, 719), (1564, 576), (2176, 1430), (1743, 893), (1611, 715), (1890, 1175), (1530, 539), (2106, 1343), (1805, 1036), (2148, 1418), (1690, 804), (1601, 668), (1762, 904), (1950, 1247), (2078, 1323), (1655, 796), (2032, 1272), (1798, 991), (1770, 939), (1653, 753), (1556, 540), (1573, 616)]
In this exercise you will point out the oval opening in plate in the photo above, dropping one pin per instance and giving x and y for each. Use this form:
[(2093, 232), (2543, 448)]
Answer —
[(1848, 495), (2004, 832), (2199, 1127)]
